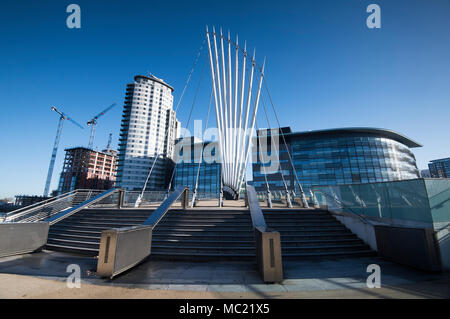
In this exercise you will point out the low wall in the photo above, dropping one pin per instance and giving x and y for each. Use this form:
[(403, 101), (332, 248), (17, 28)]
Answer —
[(21, 238), (443, 239), (416, 247)]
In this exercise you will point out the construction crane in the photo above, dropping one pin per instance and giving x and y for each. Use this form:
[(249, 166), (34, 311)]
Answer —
[(92, 123), (108, 147), (62, 117)]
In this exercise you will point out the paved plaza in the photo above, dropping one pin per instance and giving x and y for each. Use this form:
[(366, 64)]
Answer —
[(43, 275)]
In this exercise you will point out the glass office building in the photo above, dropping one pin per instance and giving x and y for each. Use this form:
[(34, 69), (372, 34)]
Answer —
[(440, 168), (188, 154), (337, 157)]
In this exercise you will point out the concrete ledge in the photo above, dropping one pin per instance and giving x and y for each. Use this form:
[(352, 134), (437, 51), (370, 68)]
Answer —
[(21, 238), (122, 249)]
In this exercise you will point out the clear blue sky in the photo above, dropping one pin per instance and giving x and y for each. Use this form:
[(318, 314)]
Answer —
[(325, 68)]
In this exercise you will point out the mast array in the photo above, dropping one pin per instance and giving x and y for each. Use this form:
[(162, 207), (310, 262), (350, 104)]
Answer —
[(233, 103)]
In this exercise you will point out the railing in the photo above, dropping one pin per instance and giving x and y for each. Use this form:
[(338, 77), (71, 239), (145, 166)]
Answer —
[(280, 197), (149, 198), (123, 248), (158, 214), (93, 200), (255, 210), (21, 211), (48, 208), (267, 241)]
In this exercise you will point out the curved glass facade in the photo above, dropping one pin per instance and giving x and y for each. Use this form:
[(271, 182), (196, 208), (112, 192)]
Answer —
[(342, 156)]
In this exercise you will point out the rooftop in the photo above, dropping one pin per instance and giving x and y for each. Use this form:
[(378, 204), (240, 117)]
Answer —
[(364, 130), (440, 160), (154, 78)]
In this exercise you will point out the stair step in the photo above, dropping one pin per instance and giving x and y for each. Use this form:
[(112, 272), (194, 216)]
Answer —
[(100, 224), (63, 235), (204, 248), (303, 224), (365, 252), (201, 235), (200, 254), (214, 230), (170, 225), (82, 250), (121, 216), (91, 228), (291, 243), (203, 243), (75, 243), (324, 247), (78, 231)]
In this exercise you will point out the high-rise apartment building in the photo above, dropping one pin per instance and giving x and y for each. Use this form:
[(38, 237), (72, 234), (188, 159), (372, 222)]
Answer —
[(149, 128), (440, 168)]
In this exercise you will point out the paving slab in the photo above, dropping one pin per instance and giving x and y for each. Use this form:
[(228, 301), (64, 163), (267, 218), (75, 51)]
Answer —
[(320, 276)]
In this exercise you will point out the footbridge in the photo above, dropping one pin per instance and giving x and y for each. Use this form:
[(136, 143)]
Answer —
[(121, 229)]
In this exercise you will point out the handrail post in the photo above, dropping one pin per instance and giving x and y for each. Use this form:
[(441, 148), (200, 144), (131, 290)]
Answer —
[(269, 199), (221, 198), (246, 200), (185, 198), (120, 198), (288, 199), (194, 195), (314, 199)]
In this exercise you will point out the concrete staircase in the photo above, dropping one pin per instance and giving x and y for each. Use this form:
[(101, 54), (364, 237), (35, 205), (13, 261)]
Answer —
[(313, 233), (203, 234), (81, 232), (192, 234), (211, 234)]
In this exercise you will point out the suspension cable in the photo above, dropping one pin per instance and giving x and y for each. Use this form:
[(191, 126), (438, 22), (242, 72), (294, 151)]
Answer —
[(203, 143), (167, 128), (284, 140), (190, 73), (276, 149), (190, 112), (263, 166)]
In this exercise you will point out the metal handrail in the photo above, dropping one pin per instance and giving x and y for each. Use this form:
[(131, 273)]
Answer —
[(40, 203), (68, 212), (256, 213), (45, 209), (34, 213), (159, 213)]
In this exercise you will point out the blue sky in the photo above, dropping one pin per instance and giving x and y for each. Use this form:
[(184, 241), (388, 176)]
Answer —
[(325, 69)]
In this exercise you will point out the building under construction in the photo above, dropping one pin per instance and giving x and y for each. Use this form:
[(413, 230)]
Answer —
[(85, 168)]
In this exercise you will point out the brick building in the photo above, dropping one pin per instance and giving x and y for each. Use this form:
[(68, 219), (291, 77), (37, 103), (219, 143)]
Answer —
[(88, 169)]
